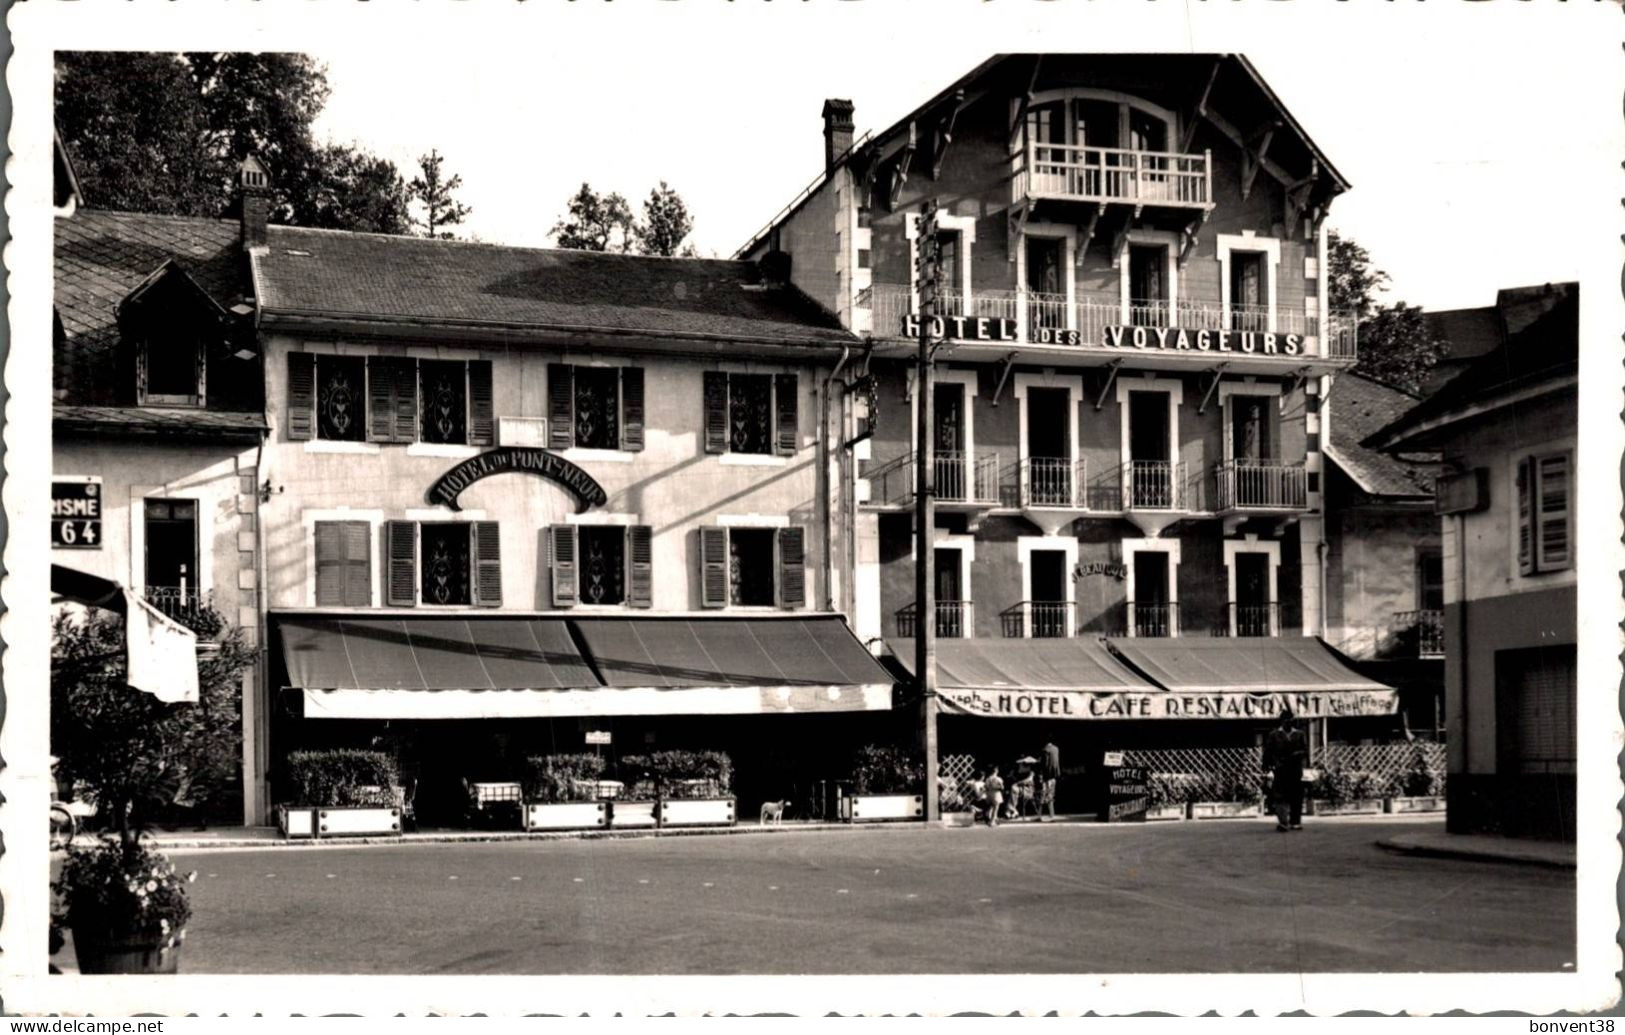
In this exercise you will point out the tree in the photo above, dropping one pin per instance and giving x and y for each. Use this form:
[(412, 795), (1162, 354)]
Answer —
[(666, 223), (355, 191), (1396, 345), (432, 189), (596, 223)]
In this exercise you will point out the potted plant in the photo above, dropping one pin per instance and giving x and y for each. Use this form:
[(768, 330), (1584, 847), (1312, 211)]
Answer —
[(887, 783), (1343, 792), (339, 792), (692, 788), (561, 793), (134, 756), (1421, 786), (1231, 795)]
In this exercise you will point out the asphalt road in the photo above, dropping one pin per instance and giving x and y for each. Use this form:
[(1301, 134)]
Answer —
[(1225, 896)]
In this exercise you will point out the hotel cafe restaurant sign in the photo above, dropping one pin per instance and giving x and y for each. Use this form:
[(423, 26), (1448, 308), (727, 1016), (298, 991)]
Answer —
[(998, 330)]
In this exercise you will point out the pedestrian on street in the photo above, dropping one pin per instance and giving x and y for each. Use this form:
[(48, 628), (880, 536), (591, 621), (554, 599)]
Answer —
[(1050, 775), (995, 796), (1286, 752)]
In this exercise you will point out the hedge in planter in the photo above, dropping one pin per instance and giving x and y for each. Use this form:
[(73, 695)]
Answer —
[(340, 791), (887, 783), (561, 792), (693, 786)]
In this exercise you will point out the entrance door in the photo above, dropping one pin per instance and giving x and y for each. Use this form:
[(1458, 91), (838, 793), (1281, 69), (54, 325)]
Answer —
[(1148, 285), (950, 592), (171, 561), (1150, 612), (1046, 286), (1047, 570), (948, 410), (1250, 429), (1252, 604), (1151, 475), (1049, 447), (1249, 305)]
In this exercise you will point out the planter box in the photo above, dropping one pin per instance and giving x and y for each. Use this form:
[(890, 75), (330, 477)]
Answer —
[(1427, 804), (697, 812), (568, 815), (1157, 812), (1225, 809), (860, 807), (357, 821), (959, 819), (296, 821), (97, 955), (1362, 807), (632, 814)]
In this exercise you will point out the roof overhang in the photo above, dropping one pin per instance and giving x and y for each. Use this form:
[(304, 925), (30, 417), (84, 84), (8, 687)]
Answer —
[(1425, 433)]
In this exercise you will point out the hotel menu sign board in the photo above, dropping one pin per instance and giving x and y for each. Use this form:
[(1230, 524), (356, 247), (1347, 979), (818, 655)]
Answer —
[(76, 513), (1088, 704)]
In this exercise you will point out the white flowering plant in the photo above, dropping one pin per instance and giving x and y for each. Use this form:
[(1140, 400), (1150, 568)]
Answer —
[(124, 891)]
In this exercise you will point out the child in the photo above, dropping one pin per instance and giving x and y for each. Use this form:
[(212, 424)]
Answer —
[(995, 796)]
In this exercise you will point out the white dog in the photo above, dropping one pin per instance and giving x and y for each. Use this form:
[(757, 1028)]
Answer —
[(773, 812)]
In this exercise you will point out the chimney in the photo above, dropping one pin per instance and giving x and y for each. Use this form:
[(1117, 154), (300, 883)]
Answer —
[(254, 184), (837, 130)]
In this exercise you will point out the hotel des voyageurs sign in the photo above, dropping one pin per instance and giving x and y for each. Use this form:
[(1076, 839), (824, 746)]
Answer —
[(522, 460), (1117, 336)]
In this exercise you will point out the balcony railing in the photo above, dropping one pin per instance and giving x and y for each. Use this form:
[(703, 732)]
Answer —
[(1157, 619), (181, 603), (1261, 485), (1153, 485), (958, 478), (1253, 620), (1047, 619), (1083, 173), (955, 620), (1423, 628), (1081, 321), (1053, 481)]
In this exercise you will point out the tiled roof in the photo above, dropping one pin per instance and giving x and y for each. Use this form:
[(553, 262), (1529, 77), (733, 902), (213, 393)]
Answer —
[(1546, 350), (99, 258), (148, 420), (1360, 406), (375, 276)]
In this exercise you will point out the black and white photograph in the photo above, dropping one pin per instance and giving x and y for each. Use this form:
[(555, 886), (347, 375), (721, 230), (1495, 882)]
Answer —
[(746, 507)]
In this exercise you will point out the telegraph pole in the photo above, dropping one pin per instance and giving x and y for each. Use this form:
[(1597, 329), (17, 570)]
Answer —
[(928, 266)]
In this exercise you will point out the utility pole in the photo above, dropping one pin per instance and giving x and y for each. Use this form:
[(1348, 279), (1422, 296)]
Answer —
[(928, 266)]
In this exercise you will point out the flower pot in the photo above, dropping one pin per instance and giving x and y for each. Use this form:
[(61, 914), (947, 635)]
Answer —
[(569, 815), (697, 812), (632, 815), (357, 821), (1358, 807), (99, 953), (1165, 812), (1225, 809), (296, 821), (1416, 804), (858, 808)]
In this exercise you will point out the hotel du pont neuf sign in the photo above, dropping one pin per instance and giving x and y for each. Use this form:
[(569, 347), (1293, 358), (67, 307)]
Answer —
[(1115, 336), (518, 459)]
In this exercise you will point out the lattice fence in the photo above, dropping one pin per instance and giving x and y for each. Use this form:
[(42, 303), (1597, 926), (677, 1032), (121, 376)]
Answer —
[(1347, 771), (952, 772)]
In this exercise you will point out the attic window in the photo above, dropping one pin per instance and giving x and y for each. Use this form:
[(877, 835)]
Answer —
[(171, 369)]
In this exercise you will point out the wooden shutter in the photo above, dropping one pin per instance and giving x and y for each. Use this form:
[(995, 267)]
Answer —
[(632, 408), (406, 399), (380, 399), (716, 412), (1553, 508), (301, 396), (792, 560), (357, 564), (481, 419), (714, 567), (561, 416), (401, 540), (640, 567), (785, 402), (1526, 543), (562, 553), (330, 557), (487, 564)]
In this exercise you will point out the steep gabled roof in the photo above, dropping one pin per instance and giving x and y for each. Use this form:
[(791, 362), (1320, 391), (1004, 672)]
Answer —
[(1360, 406)]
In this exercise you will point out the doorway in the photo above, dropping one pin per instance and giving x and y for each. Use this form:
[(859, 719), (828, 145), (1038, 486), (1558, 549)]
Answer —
[(1049, 447), (1046, 285), (950, 591), (171, 560), (1151, 613), (1047, 572), (1249, 302), (1253, 612), (1148, 285), (1151, 474), (948, 413)]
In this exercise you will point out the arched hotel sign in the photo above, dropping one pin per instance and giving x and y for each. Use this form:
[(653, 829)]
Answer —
[(518, 459)]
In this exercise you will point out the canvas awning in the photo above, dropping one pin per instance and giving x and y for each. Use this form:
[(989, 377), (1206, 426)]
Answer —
[(1041, 678), (495, 666)]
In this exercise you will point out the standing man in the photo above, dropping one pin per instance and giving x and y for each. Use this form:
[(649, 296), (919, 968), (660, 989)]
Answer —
[(1050, 774), (1285, 754)]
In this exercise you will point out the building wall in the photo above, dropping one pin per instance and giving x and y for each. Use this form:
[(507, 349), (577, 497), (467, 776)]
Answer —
[(672, 485), (1371, 568)]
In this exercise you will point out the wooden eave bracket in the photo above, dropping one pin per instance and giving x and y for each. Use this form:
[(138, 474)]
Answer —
[(1089, 232), (944, 133), (1199, 109), (1111, 379), (1187, 237), (1217, 373), (1299, 376), (1252, 159), (898, 168), (1004, 375), (1269, 165), (1026, 99), (1017, 223), (1298, 195), (1120, 245)]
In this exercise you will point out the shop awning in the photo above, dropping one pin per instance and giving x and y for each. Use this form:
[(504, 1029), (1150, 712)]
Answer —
[(524, 667), (1031, 678), (723, 665)]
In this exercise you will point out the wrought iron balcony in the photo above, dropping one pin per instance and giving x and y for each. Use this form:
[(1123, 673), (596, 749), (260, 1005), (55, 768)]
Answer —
[(182, 603), (1253, 620), (1049, 619), (1049, 481), (1112, 174), (1262, 485), (1153, 485), (959, 479), (1155, 619), (1423, 630), (955, 620)]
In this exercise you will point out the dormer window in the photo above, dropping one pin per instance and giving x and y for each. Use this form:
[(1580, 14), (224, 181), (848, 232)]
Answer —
[(170, 322), (171, 370)]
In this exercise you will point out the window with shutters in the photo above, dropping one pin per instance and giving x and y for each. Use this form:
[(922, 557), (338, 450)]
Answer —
[(343, 564), (601, 564), (341, 398), (753, 567), (750, 567), (1545, 512), (443, 390), (750, 414), (446, 570), (389, 399), (595, 407)]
